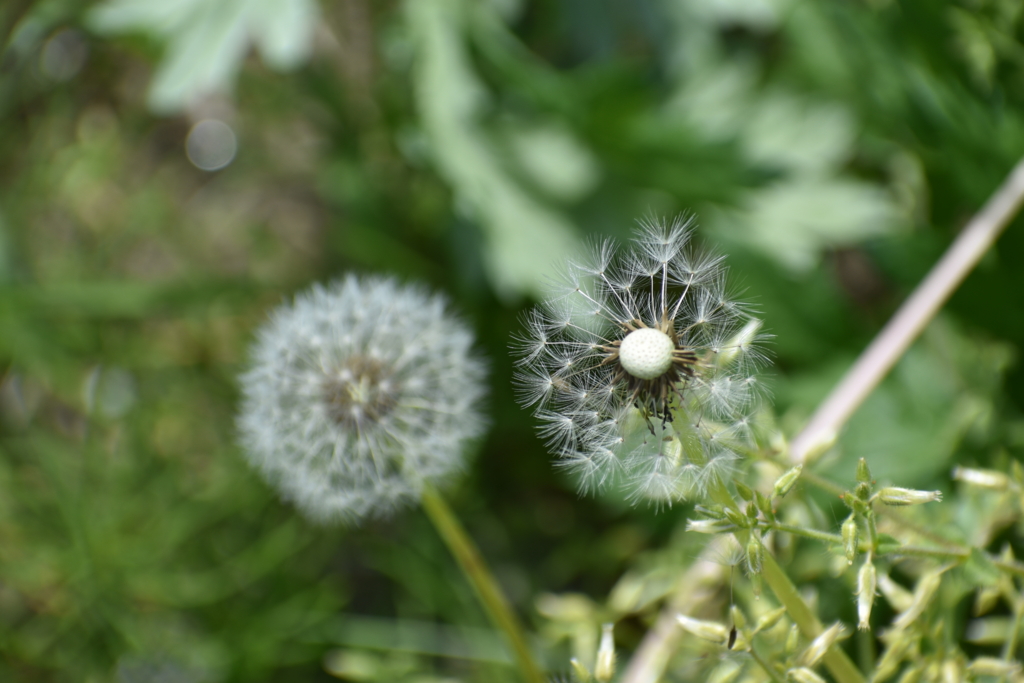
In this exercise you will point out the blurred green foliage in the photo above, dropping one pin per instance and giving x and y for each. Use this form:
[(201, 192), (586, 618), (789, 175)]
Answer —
[(831, 149)]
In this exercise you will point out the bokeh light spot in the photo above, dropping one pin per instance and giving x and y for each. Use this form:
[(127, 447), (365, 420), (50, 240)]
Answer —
[(211, 145), (64, 55)]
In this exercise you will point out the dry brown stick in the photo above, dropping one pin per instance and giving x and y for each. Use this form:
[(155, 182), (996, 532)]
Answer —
[(911, 318)]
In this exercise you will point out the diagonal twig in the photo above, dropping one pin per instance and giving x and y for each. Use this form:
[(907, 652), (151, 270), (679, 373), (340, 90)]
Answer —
[(912, 317)]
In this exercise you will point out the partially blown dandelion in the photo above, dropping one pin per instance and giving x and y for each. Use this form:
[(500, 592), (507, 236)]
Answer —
[(357, 394), (641, 367)]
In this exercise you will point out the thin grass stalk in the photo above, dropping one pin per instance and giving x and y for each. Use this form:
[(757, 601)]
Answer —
[(482, 580)]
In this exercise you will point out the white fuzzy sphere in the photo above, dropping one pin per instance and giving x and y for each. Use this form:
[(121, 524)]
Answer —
[(622, 403), (357, 394), (646, 353)]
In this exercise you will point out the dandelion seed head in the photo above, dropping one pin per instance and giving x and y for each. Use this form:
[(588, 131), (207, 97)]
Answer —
[(357, 394), (642, 367), (646, 353)]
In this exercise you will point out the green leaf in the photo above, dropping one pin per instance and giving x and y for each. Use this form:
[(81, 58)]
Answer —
[(794, 220), (524, 238), (208, 41)]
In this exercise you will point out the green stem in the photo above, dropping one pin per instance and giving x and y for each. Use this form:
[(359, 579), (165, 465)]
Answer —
[(866, 650), (900, 551), (872, 526), (918, 551), (822, 536), (483, 582), (772, 673), (838, 664)]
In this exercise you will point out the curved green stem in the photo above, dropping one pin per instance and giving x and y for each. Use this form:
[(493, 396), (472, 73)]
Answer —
[(483, 582), (823, 536)]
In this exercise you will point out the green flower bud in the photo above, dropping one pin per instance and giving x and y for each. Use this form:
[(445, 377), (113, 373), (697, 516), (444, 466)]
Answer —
[(894, 495), (579, 671), (764, 504), (737, 518), (820, 645), (707, 526), (792, 639), (866, 584), (739, 344), (986, 599), (769, 619), (786, 482), (863, 473), (604, 670), (850, 538), (711, 512), (755, 555), (706, 630)]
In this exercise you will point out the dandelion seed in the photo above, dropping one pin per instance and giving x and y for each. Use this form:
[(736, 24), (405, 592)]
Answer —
[(641, 368), (358, 394)]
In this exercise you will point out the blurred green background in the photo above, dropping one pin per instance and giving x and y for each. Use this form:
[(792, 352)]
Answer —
[(171, 171)]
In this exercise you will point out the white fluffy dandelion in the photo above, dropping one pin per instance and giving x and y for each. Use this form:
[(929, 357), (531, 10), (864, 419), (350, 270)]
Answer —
[(642, 368), (357, 394)]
